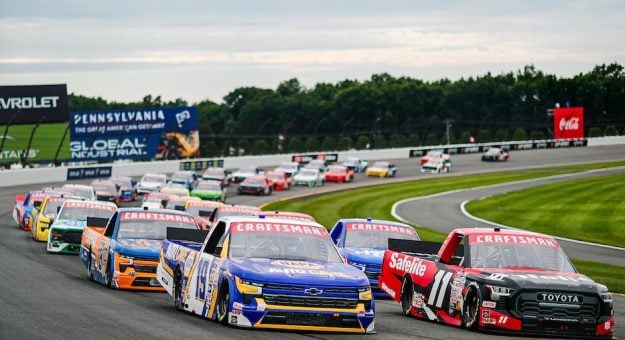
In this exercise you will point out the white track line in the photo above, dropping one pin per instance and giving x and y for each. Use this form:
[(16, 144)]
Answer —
[(465, 213)]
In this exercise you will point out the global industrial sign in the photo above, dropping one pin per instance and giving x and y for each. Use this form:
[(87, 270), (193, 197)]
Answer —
[(166, 133)]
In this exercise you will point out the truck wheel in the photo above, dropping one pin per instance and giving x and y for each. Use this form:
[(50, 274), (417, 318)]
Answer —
[(407, 291), (107, 274), (178, 290), (471, 309), (91, 266), (223, 303)]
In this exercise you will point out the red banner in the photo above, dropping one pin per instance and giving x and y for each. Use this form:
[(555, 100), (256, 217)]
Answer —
[(568, 122)]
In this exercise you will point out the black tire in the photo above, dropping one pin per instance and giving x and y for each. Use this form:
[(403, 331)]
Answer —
[(223, 303), (107, 274), (407, 292), (178, 290), (91, 267), (471, 309)]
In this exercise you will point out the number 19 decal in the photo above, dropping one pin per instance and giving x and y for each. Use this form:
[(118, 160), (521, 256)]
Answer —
[(441, 281)]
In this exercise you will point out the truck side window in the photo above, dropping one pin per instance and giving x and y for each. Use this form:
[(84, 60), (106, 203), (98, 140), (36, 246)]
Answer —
[(111, 225), (214, 238)]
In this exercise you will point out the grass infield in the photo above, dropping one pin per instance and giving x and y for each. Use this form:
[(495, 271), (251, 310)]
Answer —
[(376, 202), (589, 209)]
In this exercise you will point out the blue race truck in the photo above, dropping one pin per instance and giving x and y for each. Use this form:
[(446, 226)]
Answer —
[(266, 273)]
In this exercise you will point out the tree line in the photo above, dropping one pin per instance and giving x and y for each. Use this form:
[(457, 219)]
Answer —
[(386, 111)]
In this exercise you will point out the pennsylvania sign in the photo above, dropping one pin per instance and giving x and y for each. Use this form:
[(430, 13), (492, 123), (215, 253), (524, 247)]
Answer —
[(167, 133)]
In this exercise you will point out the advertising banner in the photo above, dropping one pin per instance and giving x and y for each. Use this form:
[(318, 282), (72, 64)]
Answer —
[(568, 123), (201, 164), (89, 172), (138, 134), (306, 158), (30, 104)]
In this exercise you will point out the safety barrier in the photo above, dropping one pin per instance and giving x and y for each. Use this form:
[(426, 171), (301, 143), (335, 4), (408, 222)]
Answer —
[(15, 177)]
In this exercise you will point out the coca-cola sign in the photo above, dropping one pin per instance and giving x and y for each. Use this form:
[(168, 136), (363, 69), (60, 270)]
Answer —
[(568, 123)]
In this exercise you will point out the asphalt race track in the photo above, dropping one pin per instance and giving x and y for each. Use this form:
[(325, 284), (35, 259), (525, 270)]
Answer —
[(47, 296)]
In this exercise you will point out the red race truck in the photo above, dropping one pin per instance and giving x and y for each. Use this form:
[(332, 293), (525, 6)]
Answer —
[(497, 280)]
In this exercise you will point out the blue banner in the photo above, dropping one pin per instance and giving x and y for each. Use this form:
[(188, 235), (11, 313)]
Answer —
[(138, 134), (90, 172)]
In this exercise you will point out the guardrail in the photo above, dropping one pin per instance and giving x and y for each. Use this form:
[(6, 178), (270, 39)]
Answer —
[(15, 177)]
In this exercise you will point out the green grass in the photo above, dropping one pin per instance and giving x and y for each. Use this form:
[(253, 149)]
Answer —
[(376, 202), (44, 145), (590, 209), (609, 275)]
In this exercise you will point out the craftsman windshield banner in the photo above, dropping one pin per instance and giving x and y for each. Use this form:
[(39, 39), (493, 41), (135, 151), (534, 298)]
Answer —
[(138, 134), (31, 104)]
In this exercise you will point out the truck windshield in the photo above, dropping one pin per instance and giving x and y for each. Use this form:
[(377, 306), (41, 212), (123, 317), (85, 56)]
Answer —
[(376, 238), (149, 229), (519, 256), (280, 246), (81, 214)]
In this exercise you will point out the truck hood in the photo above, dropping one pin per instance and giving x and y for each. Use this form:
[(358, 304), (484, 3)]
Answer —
[(69, 224), (540, 280), (363, 255), (139, 247), (298, 272)]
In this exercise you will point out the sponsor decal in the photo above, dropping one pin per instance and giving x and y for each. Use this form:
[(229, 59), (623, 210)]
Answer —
[(297, 264), (489, 321), (409, 264), (563, 320), (489, 304), (194, 204), (57, 199), (382, 228), (189, 262), (89, 205), (607, 325), (560, 298), (485, 314), (130, 216), (520, 239), (233, 319), (577, 278), (258, 227), (261, 307), (502, 320), (237, 305), (388, 290), (455, 296), (315, 272)]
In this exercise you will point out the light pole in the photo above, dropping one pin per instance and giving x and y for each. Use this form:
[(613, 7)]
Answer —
[(372, 131)]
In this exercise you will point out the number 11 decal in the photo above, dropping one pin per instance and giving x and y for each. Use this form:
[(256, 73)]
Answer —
[(441, 281)]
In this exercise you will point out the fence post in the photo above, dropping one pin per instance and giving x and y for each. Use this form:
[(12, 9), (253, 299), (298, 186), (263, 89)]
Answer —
[(30, 141), (58, 150), (6, 130)]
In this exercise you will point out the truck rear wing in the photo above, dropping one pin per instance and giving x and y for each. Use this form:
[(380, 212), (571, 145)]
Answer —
[(97, 222), (182, 234), (421, 248)]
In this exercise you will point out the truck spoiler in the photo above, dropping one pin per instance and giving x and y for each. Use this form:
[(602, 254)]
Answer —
[(419, 247), (97, 222), (181, 234)]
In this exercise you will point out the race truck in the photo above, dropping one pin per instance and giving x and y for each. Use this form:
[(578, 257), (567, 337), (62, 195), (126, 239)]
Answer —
[(124, 254), (66, 231), (266, 273), (25, 204), (44, 214), (498, 280), (362, 243)]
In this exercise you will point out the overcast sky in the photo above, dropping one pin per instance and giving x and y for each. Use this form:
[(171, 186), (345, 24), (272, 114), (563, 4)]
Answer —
[(196, 50)]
